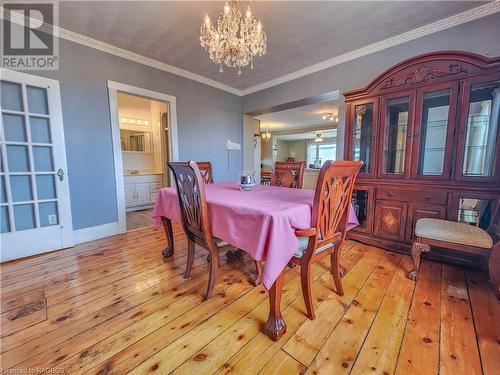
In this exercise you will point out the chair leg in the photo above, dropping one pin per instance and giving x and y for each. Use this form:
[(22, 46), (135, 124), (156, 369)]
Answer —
[(305, 280), (416, 249), (337, 270), (190, 259), (258, 274), (214, 265)]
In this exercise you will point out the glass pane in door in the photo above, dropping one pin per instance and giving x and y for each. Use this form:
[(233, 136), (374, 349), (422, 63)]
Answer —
[(24, 216), (12, 98), (14, 128), (475, 211), (482, 130), (433, 132), (4, 220), (396, 127), (37, 100), (40, 130), (363, 124), (360, 205)]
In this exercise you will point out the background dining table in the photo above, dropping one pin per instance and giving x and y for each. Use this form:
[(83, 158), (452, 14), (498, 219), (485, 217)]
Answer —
[(261, 222)]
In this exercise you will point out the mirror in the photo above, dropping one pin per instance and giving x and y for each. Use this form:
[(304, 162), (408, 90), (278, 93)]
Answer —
[(136, 141)]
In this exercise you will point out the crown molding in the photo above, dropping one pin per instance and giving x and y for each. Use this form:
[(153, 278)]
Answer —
[(446, 23)]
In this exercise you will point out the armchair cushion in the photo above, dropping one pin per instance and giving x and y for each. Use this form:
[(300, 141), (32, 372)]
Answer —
[(454, 232), (303, 246)]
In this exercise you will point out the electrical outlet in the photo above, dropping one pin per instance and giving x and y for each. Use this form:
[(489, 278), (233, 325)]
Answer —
[(52, 219)]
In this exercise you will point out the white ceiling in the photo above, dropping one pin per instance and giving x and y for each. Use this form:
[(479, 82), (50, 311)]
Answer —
[(300, 33), (300, 118)]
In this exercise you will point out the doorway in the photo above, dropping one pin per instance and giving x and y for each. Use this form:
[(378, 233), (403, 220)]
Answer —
[(144, 140)]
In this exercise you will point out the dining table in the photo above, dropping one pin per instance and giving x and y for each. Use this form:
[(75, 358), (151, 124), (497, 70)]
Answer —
[(261, 222)]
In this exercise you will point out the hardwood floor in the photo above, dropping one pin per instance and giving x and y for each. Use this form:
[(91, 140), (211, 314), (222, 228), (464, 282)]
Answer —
[(139, 219), (114, 306)]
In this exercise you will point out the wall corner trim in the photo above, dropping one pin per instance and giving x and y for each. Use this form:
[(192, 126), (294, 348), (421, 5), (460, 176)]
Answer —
[(95, 233)]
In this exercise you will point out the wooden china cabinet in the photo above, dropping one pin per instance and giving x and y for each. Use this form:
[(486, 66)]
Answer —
[(428, 132)]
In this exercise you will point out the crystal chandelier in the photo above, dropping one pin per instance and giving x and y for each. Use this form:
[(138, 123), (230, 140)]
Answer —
[(235, 40)]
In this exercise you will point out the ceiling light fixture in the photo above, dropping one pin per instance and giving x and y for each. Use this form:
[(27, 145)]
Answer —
[(235, 40), (330, 116), (266, 136), (318, 138)]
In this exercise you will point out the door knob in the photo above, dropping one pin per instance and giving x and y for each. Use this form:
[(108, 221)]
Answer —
[(60, 174)]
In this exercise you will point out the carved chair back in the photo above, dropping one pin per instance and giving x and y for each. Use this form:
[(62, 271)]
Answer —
[(330, 214), (288, 174), (192, 202), (205, 168)]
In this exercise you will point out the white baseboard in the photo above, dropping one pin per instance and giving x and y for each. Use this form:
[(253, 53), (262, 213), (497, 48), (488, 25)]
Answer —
[(95, 233)]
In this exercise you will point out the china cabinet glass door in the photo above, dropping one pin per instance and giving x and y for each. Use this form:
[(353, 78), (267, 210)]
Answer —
[(362, 148), (397, 120), (434, 131), (479, 133)]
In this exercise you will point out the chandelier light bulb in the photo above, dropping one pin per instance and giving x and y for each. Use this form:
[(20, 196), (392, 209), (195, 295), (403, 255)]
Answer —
[(207, 19), (248, 13), (226, 8), (331, 118), (324, 117)]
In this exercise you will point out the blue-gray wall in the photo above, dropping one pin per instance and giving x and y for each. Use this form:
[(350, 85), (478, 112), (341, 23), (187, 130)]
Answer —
[(206, 118)]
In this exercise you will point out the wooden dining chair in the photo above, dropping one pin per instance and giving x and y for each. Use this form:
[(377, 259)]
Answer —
[(206, 172), (195, 220), (329, 220), (288, 174)]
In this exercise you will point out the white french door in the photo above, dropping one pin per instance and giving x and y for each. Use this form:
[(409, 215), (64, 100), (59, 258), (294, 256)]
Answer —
[(35, 213)]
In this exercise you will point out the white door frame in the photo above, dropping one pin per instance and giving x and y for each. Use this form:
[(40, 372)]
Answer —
[(63, 231), (113, 89)]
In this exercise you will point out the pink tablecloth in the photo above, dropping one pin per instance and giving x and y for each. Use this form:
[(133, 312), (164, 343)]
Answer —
[(261, 222)]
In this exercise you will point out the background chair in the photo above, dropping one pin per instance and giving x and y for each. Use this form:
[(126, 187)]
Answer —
[(288, 174), (195, 219), (460, 237), (205, 168), (329, 221)]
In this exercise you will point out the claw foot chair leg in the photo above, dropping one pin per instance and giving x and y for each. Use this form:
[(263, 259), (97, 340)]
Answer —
[(167, 227), (416, 249), (275, 326)]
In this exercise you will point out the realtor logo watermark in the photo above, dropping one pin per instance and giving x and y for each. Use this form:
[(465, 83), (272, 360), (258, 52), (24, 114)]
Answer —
[(28, 38)]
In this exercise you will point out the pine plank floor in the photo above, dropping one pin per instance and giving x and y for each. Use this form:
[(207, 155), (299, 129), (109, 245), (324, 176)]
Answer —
[(114, 306), (139, 219)]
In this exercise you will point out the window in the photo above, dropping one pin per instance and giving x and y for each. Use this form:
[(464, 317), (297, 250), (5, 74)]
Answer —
[(319, 152)]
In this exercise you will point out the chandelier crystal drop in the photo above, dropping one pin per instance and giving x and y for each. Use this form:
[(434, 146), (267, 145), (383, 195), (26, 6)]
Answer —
[(235, 40)]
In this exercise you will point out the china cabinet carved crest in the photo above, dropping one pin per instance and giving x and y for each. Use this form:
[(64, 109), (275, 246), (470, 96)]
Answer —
[(428, 131)]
